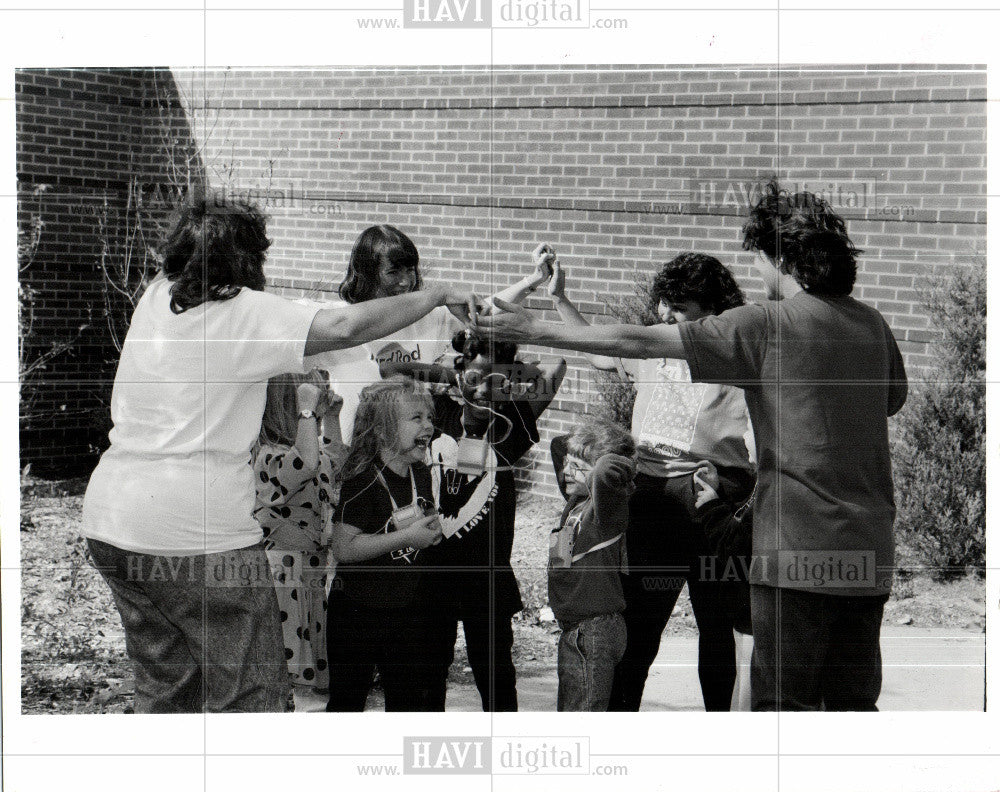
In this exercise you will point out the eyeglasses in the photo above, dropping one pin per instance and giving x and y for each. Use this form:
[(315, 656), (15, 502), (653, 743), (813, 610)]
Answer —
[(573, 465)]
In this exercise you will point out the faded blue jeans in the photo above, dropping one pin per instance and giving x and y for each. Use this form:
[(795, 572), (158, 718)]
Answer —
[(589, 650), (203, 632)]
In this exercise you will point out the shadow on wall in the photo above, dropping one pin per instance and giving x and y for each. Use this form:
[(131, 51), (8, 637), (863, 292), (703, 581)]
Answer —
[(103, 157)]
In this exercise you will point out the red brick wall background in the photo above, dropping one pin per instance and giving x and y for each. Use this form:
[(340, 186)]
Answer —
[(619, 167)]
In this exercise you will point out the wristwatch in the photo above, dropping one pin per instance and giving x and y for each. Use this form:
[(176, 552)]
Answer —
[(306, 414)]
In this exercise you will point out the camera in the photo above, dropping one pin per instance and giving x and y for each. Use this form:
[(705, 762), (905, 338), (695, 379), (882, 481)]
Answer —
[(471, 459), (405, 516)]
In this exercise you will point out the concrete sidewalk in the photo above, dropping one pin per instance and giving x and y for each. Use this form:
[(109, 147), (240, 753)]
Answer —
[(931, 669)]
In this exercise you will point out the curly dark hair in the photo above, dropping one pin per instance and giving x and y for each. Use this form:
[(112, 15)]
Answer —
[(216, 248), (377, 245), (802, 234), (471, 346), (699, 278)]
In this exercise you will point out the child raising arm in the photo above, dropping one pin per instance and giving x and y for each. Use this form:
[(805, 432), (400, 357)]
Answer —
[(296, 482)]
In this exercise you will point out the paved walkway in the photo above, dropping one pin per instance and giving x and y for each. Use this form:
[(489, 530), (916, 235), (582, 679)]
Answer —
[(935, 669)]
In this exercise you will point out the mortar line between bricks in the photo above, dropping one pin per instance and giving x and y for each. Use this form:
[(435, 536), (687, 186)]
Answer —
[(99, 192), (410, 106), (483, 70), (111, 189), (572, 205)]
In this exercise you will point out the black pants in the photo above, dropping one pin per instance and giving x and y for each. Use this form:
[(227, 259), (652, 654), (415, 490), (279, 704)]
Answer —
[(815, 650), (399, 642), (666, 548), (489, 640)]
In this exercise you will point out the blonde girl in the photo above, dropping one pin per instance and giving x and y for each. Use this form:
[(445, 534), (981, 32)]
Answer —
[(381, 616)]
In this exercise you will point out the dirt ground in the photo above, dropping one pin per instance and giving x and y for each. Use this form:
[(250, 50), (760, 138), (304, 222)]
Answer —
[(73, 649)]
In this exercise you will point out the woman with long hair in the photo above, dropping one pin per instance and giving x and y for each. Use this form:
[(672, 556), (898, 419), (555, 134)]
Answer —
[(384, 263)]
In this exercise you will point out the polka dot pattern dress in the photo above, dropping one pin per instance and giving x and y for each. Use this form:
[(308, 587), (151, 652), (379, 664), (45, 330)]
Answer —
[(294, 512)]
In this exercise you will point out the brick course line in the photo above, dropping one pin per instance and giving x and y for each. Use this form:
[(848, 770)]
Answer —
[(616, 206), (553, 103)]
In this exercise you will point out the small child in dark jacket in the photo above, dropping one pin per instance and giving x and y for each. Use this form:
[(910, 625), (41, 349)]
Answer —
[(586, 557), (729, 530)]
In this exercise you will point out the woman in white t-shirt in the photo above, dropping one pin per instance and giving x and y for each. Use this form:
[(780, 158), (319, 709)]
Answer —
[(678, 425), (385, 263), (168, 511)]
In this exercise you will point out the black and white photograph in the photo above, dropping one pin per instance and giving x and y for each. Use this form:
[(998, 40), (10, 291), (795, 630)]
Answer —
[(382, 403)]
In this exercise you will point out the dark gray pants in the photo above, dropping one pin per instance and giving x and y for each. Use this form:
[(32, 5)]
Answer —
[(815, 651)]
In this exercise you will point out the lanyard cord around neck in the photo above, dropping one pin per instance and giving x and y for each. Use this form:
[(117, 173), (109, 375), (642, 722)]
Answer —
[(385, 485), (501, 416)]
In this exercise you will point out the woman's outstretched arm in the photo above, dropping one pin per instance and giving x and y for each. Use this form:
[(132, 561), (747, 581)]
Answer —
[(340, 328)]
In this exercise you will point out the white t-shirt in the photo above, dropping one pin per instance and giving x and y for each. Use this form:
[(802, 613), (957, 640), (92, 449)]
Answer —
[(678, 423), (187, 405), (351, 370)]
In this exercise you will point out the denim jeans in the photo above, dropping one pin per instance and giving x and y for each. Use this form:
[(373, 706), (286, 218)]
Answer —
[(589, 650), (666, 543), (203, 632), (815, 650)]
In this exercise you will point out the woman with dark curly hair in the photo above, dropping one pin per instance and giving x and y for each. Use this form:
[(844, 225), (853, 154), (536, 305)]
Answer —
[(821, 372), (679, 426), (168, 511), (694, 283)]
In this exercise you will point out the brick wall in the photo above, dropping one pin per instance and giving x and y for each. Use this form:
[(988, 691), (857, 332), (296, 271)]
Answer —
[(83, 137), (619, 167)]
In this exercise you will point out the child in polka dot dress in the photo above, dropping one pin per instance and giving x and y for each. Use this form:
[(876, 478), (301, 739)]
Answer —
[(297, 485)]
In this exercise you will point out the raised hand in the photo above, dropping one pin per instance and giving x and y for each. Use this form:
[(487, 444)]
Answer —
[(557, 286), (462, 303), (335, 402), (542, 257), (307, 397)]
